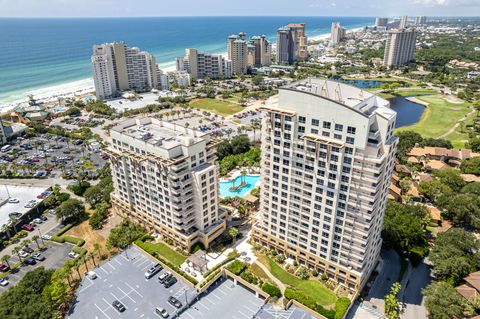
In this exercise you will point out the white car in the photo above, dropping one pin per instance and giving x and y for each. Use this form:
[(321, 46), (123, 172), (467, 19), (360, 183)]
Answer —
[(37, 221), (23, 254), (91, 274), (13, 201), (72, 255), (46, 237), (4, 282)]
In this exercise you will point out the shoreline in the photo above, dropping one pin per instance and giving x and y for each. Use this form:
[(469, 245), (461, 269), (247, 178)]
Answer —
[(86, 86)]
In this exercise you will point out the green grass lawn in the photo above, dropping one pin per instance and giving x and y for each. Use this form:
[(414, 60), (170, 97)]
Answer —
[(439, 117), (311, 288), (220, 107), (164, 250), (257, 271), (459, 137)]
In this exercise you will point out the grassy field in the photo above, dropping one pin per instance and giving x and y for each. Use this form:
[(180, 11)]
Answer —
[(459, 137), (257, 271), (410, 91), (164, 250), (439, 117), (220, 107), (311, 288)]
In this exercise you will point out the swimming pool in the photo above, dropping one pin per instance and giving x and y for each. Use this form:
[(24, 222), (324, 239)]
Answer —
[(251, 181)]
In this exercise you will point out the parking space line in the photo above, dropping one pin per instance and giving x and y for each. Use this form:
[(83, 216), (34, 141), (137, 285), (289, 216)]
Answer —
[(142, 258), (115, 259), (115, 296), (106, 272), (102, 311), (215, 295), (126, 283), (249, 309), (146, 267), (223, 292), (189, 315), (246, 316), (207, 299), (111, 266), (201, 304), (126, 295)]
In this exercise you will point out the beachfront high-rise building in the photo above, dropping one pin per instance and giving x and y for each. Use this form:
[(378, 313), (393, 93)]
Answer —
[(420, 20), (118, 68), (165, 176), (381, 22), (400, 47), (203, 65), (328, 153), (237, 48), (292, 44), (263, 50), (3, 134), (162, 80), (403, 22), (337, 33)]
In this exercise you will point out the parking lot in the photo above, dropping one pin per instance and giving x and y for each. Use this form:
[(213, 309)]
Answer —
[(270, 312), (122, 278), (55, 256), (225, 300), (49, 154)]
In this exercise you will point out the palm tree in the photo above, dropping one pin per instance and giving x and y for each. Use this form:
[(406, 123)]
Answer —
[(77, 265), (36, 238), (84, 259), (256, 124), (67, 268), (5, 259), (243, 176), (234, 233), (26, 242), (239, 130), (16, 250), (229, 132), (187, 124)]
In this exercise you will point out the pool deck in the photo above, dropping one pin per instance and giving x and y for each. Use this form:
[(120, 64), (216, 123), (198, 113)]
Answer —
[(237, 172)]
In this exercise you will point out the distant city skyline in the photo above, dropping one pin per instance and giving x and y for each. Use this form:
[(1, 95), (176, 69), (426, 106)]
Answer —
[(149, 8)]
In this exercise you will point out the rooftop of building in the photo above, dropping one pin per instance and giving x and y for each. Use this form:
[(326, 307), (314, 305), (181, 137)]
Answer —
[(159, 133), (296, 25), (350, 96)]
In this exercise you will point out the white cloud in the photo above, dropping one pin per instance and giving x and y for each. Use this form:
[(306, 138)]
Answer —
[(333, 4), (445, 3)]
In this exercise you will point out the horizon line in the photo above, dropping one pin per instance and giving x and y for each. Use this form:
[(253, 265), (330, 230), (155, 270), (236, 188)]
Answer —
[(226, 16)]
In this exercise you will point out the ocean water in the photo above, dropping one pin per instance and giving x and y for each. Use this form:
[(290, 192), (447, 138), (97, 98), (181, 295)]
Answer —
[(38, 54)]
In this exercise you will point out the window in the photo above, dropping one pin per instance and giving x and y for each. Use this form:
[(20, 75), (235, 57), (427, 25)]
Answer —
[(301, 129), (350, 140), (351, 130), (315, 122), (314, 131), (301, 119), (326, 134), (326, 125), (348, 150), (337, 136), (338, 127)]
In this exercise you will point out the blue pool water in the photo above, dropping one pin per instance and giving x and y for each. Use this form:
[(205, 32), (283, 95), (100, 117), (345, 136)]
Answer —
[(251, 181)]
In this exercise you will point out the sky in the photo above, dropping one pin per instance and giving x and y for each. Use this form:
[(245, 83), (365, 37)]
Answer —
[(142, 8)]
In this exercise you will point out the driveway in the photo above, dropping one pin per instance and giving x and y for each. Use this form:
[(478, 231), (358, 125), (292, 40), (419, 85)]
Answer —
[(411, 295)]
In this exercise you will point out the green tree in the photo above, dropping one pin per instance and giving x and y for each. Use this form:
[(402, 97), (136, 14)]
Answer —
[(406, 140), (6, 259), (71, 210), (455, 255), (433, 189), (450, 177), (443, 301), (93, 195), (36, 238), (471, 166), (392, 309), (125, 234), (463, 209), (233, 232)]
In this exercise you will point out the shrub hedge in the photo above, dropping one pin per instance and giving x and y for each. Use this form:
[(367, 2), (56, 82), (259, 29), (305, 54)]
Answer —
[(272, 290), (210, 277), (310, 303), (341, 307), (176, 269), (237, 267)]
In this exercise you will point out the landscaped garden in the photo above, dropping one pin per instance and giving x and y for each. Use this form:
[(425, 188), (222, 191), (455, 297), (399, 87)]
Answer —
[(220, 107), (163, 250)]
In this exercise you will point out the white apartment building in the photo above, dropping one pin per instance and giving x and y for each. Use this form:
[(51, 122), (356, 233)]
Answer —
[(400, 47), (118, 68), (165, 177), (181, 78), (337, 33), (202, 65), (237, 49), (328, 152), (162, 80)]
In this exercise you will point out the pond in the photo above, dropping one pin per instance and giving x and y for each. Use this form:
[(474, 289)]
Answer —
[(250, 180), (408, 113), (363, 84)]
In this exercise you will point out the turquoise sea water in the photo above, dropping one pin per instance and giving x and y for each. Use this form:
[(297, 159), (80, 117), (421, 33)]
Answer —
[(38, 53), (251, 181)]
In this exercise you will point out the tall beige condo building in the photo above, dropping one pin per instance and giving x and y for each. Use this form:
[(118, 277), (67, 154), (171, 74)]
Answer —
[(165, 176), (420, 20), (337, 33), (328, 153), (292, 44), (381, 22), (117, 67), (400, 47), (403, 22), (262, 50), (202, 65), (237, 48)]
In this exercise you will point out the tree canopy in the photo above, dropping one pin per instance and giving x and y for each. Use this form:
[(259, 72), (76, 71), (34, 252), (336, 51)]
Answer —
[(443, 301), (455, 255), (125, 234), (72, 210), (471, 166)]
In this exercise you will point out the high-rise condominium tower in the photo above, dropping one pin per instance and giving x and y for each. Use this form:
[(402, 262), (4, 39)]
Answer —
[(420, 20), (263, 50), (337, 33), (327, 156), (238, 53), (400, 47), (403, 22), (117, 68), (165, 176), (292, 44), (381, 22), (202, 65)]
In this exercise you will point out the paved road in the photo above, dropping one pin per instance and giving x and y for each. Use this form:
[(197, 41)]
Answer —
[(386, 277), (411, 295)]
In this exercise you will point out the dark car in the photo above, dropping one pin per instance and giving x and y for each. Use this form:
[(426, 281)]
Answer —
[(174, 302), (170, 282), (29, 261), (43, 218), (119, 306), (28, 249), (4, 268)]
